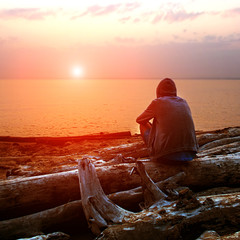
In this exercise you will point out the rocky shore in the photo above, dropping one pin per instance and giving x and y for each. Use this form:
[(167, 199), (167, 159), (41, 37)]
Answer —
[(28, 159), (24, 157)]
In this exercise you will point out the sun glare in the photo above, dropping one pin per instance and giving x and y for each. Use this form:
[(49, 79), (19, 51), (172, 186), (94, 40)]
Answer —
[(77, 71)]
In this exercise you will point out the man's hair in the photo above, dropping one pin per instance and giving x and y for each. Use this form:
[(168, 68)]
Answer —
[(166, 87)]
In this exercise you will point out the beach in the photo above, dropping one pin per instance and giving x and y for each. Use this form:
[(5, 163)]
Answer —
[(25, 159)]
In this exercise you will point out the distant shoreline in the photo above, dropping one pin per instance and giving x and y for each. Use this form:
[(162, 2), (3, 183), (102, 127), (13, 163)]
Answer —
[(97, 136), (94, 136), (135, 78)]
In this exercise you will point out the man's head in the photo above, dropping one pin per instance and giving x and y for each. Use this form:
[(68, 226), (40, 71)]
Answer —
[(166, 87)]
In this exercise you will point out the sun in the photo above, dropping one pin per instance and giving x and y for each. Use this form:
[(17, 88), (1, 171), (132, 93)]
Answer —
[(77, 71)]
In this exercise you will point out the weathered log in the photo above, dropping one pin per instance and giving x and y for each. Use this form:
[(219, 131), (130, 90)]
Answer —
[(61, 218), (164, 219), (209, 235), (131, 199), (50, 236), (64, 217), (67, 216), (34, 194), (220, 142), (168, 222), (221, 150), (233, 236), (17, 198), (151, 191), (44, 224), (213, 235), (98, 208), (206, 137)]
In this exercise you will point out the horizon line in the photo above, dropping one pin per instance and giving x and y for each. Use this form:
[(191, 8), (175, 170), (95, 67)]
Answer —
[(124, 78)]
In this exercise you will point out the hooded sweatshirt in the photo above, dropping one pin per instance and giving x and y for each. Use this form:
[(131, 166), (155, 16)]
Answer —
[(173, 128)]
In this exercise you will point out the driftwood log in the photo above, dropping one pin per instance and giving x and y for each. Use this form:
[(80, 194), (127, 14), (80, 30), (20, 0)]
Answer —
[(61, 218), (34, 194), (184, 218), (71, 215), (220, 213), (217, 165), (213, 235)]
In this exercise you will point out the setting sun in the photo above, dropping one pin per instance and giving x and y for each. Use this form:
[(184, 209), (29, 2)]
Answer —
[(77, 71)]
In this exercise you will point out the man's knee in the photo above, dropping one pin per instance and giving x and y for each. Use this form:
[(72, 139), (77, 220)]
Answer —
[(145, 131), (144, 128)]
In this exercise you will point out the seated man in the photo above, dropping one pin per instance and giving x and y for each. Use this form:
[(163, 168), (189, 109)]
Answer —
[(171, 137)]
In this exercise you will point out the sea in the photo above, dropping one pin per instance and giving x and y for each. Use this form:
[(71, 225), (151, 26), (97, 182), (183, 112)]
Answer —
[(75, 107)]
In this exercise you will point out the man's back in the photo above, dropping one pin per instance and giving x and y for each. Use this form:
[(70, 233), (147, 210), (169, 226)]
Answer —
[(172, 132), (173, 127)]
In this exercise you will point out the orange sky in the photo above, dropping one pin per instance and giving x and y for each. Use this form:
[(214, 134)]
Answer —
[(120, 39)]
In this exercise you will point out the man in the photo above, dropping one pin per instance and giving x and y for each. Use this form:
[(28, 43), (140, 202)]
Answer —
[(171, 136)]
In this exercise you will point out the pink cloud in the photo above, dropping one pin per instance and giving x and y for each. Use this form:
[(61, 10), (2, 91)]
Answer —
[(125, 19), (26, 13), (131, 6), (97, 10), (129, 19), (137, 20), (232, 12), (178, 16)]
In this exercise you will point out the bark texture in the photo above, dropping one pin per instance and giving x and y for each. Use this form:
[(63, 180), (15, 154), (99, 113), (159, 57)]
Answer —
[(217, 165), (34, 194)]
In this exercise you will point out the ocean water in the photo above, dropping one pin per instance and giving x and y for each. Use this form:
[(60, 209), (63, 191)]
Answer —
[(72, 107)]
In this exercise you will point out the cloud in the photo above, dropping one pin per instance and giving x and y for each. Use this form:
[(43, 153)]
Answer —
[(210, 38), (25, 13), (232, 12), (125, 19), (131, 6), (178, 16), (97, 10), (169, 12), (221, 41)]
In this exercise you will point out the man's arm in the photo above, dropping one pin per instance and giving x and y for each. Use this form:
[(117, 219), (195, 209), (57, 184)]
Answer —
[(147, 115)]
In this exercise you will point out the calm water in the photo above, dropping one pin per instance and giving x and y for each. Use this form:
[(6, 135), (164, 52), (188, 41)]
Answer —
[(78, 107)]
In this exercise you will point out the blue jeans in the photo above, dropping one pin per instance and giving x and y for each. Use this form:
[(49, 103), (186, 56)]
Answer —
[(180, 156), (176, 156)]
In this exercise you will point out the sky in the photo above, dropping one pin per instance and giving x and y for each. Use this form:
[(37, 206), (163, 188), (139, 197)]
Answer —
[(120, 39)]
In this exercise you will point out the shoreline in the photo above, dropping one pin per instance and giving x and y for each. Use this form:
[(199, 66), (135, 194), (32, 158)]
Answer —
[(24, 157), (33, 156), (92, 136), (97, 136)]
